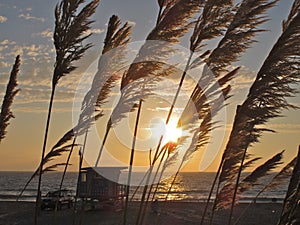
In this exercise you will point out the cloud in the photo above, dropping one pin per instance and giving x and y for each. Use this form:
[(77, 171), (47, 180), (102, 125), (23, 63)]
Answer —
[(41, 109), (131, 23), (3, 19), (37, 63), (36, 74), (27, 16), (284, 127), (97, 31), (7, 42), (34, 95), (44, 52), (29, 9), (4, 64), (244, 78), (3, 48), (94, 31), (48, 33)]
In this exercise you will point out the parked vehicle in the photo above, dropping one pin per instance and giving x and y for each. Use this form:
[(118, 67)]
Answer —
[(63, 198)]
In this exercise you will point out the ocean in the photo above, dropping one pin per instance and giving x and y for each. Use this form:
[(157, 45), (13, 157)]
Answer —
[(188, 187)]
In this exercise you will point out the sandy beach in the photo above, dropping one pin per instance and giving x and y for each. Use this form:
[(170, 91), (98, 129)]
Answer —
[(174, 213)]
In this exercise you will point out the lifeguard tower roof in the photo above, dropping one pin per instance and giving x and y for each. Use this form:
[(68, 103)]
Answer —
[(112, 173)]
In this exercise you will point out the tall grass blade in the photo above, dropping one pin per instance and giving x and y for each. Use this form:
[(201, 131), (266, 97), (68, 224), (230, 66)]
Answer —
[(57, 152), (107, 75), (223, 197), (237, 39), (277, 180), (266, 100), (131, 163), (11, 91), (110, 63), (206, 28), (142, 75), (292, 195), (69, 33)]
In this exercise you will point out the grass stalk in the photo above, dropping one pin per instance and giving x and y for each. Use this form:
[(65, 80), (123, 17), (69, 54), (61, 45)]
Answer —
[(69, 34), (37, 202), (131, 162), (63, 178), (211, 219), (161, 138), (170, 189), (236, 186), (160, 176), (103, 144), (151, 186), (79, 175), (140, 184), (8, 99), (211, 192)]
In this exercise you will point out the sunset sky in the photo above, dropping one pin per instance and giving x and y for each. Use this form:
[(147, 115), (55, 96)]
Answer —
[(27, 27)]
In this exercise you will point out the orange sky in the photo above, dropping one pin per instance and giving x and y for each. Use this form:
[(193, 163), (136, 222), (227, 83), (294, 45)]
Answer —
[(27, 30)]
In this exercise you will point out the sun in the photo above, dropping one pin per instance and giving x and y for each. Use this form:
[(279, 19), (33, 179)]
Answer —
[(170, 132)]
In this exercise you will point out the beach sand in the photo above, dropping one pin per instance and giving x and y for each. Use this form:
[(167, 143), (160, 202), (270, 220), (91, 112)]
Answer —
[(171, 213)]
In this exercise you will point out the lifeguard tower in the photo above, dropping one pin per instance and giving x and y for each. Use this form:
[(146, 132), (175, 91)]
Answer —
[(99, 186)]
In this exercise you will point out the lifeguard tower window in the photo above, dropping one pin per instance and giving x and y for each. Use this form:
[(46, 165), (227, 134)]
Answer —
[(83, 177)]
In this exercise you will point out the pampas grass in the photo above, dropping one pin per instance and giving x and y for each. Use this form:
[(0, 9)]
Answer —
[(292, 195), (61, 147), (199, 96), (240, 34), (235, 27), (237, 39), (271, 104), (209, 104), (261, 171), (11, 91), (223, 197), (69, 33), (277, 180), (139, 81), (110, 63), (204, 29), (52, 155), (171, 38), (266, 100), (106, 77), (143, 74)]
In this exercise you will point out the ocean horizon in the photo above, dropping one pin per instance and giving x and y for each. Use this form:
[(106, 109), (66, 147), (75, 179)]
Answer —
[(189, 187)]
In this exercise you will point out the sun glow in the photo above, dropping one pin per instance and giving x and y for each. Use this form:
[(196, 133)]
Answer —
[(170, 132)]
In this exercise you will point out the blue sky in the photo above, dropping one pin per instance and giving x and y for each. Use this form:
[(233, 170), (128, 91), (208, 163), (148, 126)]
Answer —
[(26, 29)]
